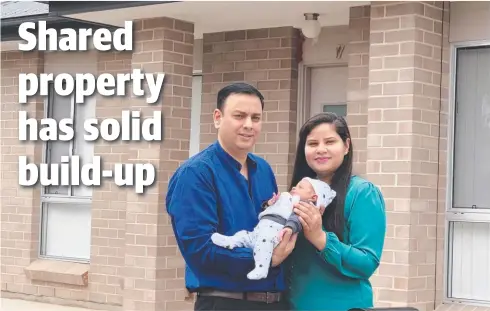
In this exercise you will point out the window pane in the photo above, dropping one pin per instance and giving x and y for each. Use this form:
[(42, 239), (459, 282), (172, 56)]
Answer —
[(59, 108), (472, 129), (340, 110), (84, 149), (67, 230), (470, 256)]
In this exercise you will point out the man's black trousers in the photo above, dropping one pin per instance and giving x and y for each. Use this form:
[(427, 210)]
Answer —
[(207, 303)]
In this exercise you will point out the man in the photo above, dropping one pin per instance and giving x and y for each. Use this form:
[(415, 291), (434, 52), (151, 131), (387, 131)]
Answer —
[(222, 189)]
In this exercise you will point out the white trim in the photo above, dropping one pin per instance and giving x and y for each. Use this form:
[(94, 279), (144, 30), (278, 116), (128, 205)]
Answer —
[(302, 107), (65, 199), (195, 133), (72, 141), (468, 217), (456, 214), (469, 44)]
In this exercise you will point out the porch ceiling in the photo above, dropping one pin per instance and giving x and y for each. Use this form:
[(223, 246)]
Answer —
[(207, 16)]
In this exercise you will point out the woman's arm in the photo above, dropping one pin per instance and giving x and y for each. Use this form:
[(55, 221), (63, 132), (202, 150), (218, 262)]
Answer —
[(367, 227)]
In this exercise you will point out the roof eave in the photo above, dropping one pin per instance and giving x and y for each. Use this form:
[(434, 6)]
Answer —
[(76, 7), (10, 26)]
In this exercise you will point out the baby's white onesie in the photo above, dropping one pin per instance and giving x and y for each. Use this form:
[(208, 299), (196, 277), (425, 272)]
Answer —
[(264, 238)]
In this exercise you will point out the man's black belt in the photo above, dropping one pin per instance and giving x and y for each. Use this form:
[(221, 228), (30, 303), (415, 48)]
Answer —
[(266, 297)]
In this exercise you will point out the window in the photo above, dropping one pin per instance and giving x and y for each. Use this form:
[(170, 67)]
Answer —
[(195, 114), (338, 109), (468, 255), (66, 210)]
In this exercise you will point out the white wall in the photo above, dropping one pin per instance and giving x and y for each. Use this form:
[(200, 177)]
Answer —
[(324, 50), (470, 20), (198, 54)]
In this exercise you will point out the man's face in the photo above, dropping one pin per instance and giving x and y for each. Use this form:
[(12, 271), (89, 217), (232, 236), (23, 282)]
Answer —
[(240, 122)]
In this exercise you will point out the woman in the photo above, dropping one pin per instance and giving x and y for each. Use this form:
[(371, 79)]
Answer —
[(338, 252)]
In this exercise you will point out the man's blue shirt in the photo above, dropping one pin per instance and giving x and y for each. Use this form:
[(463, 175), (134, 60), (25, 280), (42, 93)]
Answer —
[(208, 194)]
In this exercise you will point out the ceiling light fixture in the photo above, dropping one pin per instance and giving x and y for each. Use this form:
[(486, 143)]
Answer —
[(311, 26)]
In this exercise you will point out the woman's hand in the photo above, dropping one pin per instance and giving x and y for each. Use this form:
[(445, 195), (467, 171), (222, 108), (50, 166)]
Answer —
[(285, 247), (310, 217)]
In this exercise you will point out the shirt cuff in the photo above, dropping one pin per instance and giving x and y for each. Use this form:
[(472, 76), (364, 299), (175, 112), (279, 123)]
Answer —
[(293, 225), (328, 244), (332, 252), (264, 205)]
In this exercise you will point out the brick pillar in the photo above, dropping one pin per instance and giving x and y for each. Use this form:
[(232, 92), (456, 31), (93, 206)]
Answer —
[(153, 273), (20, 206), (403, 140), (265, 58), (358, 86), (109, 201)]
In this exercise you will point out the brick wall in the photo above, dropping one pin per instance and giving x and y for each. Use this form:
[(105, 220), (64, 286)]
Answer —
[(20, 206), (153, 272), (357, 85), (109, 201), (265, 58), (135, 262), (403, 141)]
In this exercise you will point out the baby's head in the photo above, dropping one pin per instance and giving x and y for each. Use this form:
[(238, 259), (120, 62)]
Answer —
[(314, 190), (304, 189)]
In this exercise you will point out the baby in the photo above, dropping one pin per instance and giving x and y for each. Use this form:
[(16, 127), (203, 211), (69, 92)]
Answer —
[(274, 218)]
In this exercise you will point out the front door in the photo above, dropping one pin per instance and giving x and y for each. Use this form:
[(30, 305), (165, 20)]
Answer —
[(328, 90)]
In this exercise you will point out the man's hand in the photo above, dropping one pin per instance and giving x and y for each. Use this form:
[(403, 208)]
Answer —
[(285, 247)]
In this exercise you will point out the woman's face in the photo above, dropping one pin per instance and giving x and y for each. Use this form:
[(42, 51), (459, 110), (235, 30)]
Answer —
[(325, 150)]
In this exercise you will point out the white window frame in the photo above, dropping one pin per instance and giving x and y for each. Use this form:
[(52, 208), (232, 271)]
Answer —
[(457, 214), (47, 198)]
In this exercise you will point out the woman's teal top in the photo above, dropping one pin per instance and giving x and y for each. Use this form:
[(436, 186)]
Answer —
[(337, 277)]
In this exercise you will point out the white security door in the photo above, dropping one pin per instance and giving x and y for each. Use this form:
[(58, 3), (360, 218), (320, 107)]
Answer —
[(328, 90)]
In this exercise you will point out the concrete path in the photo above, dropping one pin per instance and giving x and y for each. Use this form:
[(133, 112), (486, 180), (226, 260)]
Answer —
[(24, 305)]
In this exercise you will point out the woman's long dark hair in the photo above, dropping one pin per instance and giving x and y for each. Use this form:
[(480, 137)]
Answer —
[(333, 218)]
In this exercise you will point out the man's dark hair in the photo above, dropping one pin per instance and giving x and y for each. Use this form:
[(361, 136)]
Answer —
[(237, 88)]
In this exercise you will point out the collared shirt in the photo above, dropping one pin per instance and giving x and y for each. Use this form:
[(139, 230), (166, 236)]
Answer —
[(208, 194)]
